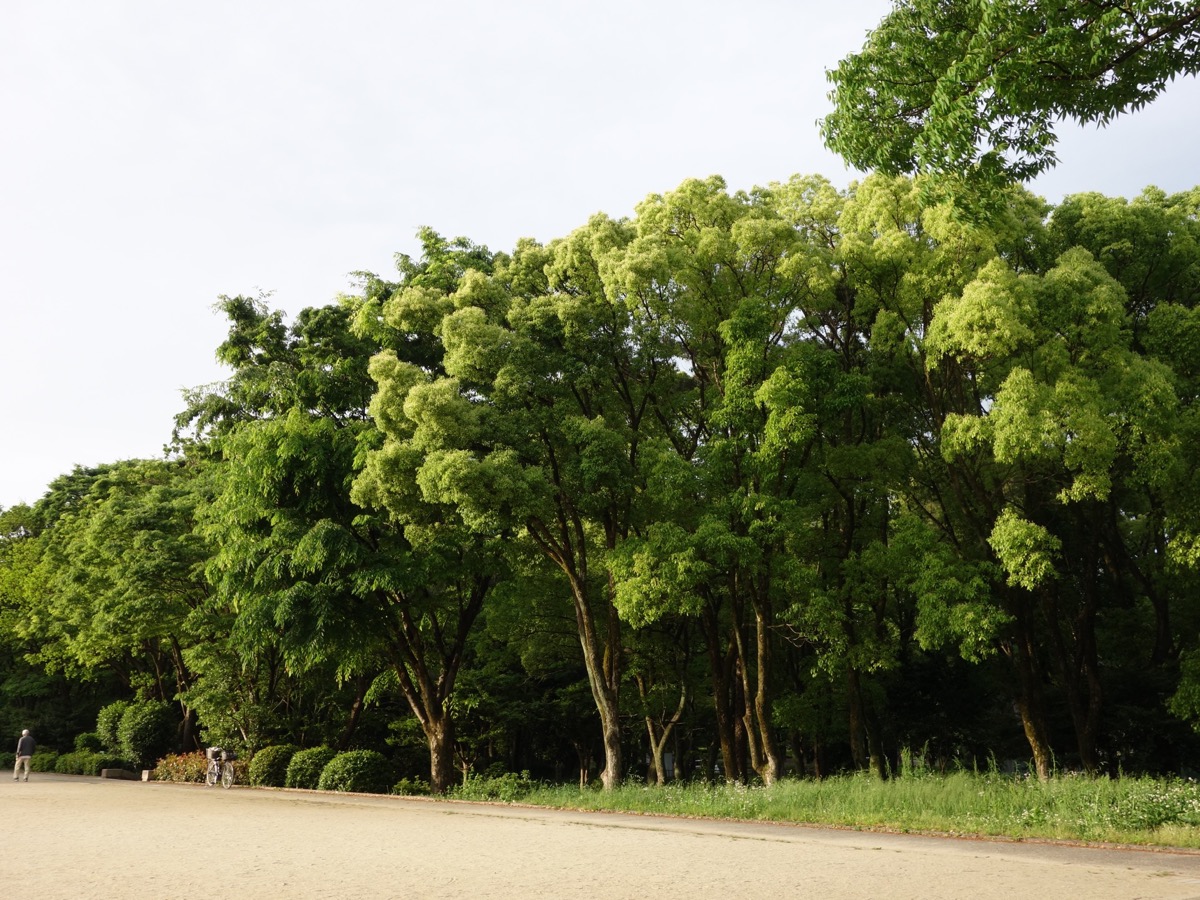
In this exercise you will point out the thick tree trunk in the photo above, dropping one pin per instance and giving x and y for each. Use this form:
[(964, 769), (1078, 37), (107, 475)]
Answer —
[(439, 734)]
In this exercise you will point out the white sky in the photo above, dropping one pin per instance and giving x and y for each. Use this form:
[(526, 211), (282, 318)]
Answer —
[(156, 155)]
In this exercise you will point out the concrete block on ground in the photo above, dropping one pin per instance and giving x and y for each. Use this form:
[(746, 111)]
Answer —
[(118, 773)]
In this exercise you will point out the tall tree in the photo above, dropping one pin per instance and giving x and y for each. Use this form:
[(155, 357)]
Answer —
[(539, 428)]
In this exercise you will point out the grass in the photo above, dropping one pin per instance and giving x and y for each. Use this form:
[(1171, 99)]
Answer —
[(1128, 810)]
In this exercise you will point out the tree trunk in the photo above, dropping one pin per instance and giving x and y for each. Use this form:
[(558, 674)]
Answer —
[(439, 734), (1029, 700), (720, 668), (858, 751), (770, 765), (361, 684)]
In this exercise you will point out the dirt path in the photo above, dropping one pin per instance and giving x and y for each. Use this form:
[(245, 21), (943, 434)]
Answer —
[(92, 838)]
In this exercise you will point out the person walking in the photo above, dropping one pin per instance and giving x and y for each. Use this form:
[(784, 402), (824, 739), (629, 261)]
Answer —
[(25, 747)]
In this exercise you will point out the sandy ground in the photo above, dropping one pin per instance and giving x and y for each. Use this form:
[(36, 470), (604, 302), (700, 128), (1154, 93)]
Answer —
[(96, 838)]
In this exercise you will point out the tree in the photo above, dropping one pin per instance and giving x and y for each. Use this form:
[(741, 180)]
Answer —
[(539, 427), (973, 88), (123, 575), (1077, 426), (369, 579)]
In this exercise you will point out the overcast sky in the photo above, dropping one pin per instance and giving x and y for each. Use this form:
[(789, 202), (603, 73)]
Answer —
[(156, 155)]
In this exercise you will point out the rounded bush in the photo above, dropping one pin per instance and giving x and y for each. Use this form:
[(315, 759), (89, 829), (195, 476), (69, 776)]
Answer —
[(107, 722), (89, 741), (358, 771), (269, 767), (304, 769), (146, 732)]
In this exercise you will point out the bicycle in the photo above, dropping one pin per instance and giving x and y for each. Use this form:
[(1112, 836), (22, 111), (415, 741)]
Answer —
[(220, 767)]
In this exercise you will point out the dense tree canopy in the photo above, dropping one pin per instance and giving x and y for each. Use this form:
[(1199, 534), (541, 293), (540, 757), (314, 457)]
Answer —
[(751, 482)]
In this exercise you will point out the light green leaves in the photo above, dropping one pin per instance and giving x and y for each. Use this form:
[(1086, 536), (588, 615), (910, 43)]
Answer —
[(972, 90), (1026, 551)]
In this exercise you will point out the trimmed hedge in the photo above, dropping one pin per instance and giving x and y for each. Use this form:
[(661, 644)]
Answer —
[(71, 763), (304, 769), (358, 771), (84, 762), (43, 761), (269, 767)]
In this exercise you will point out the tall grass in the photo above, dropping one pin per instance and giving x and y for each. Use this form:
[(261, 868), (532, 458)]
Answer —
[(1130, 810)]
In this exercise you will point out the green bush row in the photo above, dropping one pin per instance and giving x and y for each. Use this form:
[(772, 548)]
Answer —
[(323, 768), (86, 762), (286, 765)]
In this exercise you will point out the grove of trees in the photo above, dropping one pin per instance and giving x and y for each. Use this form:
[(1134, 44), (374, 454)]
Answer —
[(793, 479)]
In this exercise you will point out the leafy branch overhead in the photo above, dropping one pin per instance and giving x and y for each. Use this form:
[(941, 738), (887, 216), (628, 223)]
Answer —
[(976, 87)]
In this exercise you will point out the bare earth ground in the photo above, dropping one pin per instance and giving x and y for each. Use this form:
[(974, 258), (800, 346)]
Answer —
[(70, 837)]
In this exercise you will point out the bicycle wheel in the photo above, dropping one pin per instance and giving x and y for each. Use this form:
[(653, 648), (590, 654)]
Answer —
[(227, 775), (213, 773)]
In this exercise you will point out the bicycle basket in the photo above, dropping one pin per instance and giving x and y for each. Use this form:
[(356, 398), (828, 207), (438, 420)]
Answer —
[(214, 752)]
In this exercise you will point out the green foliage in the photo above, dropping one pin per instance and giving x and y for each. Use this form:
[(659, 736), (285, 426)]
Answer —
[(358, 771), (975, 89), (1025, 550), (73, 763), (44, 761), (184, 767), (411, 787), (1146, 811), (147, 731), (89, 741), (269, 768), (506, 788), (305, 767), (108, 720), (87, 762)]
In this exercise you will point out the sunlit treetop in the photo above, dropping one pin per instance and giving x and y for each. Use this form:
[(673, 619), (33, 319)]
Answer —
[(974, 88)]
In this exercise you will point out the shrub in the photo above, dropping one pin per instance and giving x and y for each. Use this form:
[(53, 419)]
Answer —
[(269, 767), (146, 732), (411, 787), (304, 769), (358, 771), (7, 761), (43, 761), (107, 722), (72, 763), (507, 787), (89, 741), (183, 767)]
